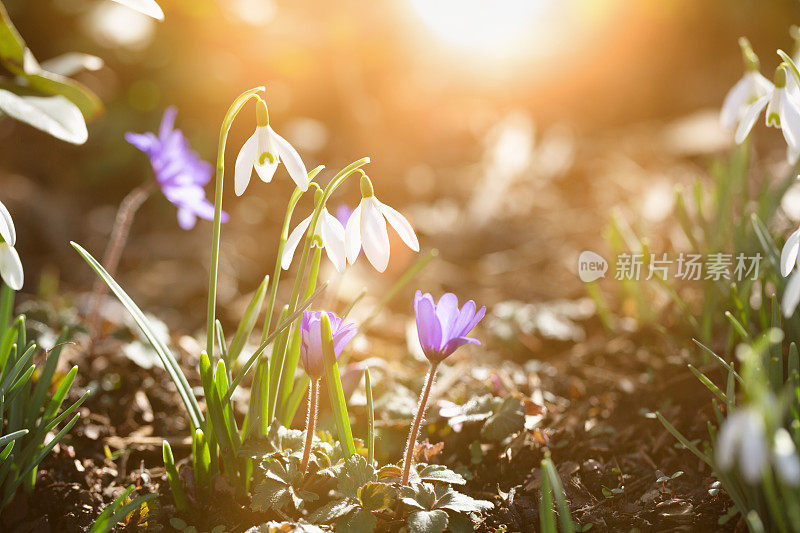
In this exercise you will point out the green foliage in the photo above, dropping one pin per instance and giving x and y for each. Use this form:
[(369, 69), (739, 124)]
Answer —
[(44, 98), (501, 418), (552, 489), (723, 214), (118, 510), (27, 409)]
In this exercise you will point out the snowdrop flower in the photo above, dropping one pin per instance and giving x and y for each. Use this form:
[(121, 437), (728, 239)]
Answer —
[(784, 456), (10, 265), (264, 150), (366, 229), (790, 259), (783, 111), (442, 327), (311, 340), (747, 90), (742, 440), (329, 231), (179, 171)]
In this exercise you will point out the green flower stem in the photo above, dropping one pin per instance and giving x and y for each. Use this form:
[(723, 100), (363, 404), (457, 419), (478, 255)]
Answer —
[(233, 110), (276, 274), (292, 355), (311, 423), (412, 437), (370, 419)]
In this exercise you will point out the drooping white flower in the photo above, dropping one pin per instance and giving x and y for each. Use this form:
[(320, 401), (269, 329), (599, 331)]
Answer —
[(747, 90), (265, 150), (329, 230), (366, 229), (784, 456), (742, 441), (783, 111), (790, 259), (10, 265)]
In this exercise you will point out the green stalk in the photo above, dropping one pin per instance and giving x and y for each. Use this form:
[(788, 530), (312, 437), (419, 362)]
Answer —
[(233, 110), (292, 355), (370, 419)]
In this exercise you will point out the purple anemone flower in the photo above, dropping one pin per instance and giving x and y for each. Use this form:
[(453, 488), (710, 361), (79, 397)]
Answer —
[(179, 171), (442, 327), (311, 337)]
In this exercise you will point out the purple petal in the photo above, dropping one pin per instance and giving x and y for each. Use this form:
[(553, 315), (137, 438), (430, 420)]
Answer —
[(447, 312), (146, 142), (477, 318), (186, 219), (429, 329), (457, 342), (167, 123), (342, 339), (465, 316)]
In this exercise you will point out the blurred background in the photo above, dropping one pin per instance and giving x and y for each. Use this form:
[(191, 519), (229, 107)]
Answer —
[(505, 130)]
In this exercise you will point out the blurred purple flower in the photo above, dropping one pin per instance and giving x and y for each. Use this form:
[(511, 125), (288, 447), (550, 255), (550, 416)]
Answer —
[(343, 213), (178, 169), (311, 337), (442, 327)]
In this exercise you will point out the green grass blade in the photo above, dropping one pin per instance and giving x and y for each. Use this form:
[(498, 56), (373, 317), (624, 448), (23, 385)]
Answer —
[(334, 383), (5, 439), (683, 440), (564, 516), (547, 519), (248, 322), (116, 511), (164, 354)]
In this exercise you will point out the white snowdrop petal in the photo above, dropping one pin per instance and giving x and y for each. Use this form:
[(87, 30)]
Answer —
[(266, 171), (11, 267), (787, 463), (790, 120), (292, 242), (243, 168), (749, 119), (789, 253), (374, 236), (735, 102), (727, 442), (7, 230), (400, 224), (352, 235), (753, 451), (291, 159), (791, 295), (333, 238)]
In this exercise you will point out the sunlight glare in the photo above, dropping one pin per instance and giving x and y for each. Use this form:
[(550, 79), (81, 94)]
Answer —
[(495, 27)]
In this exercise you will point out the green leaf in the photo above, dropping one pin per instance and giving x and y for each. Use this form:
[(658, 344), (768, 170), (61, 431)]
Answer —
[(146, 7), (419, 495), (275, 490), (427, 521), (248, 321), (376, 496), (440, 473), (118, 510), (355, 474), (447, 498), (4, 439), (334, 382), (508, 419), (167, 359), (52, 114), (358, 520), (330, 512)]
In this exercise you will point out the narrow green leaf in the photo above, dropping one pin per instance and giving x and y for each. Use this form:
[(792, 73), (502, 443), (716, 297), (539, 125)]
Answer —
[(248, 321), (5, 439), (334, 383), (164, 354), (175, 485), (370, 419), (564, 516)]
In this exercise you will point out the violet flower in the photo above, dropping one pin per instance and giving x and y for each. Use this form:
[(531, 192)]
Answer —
[(179, 171), (442, 327), (311, 337)]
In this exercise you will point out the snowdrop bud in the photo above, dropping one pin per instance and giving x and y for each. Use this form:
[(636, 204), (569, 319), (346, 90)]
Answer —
[(749, 57), (366, 186)]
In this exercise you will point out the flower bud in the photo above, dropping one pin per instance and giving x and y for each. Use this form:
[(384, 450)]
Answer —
[(366, 186)]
